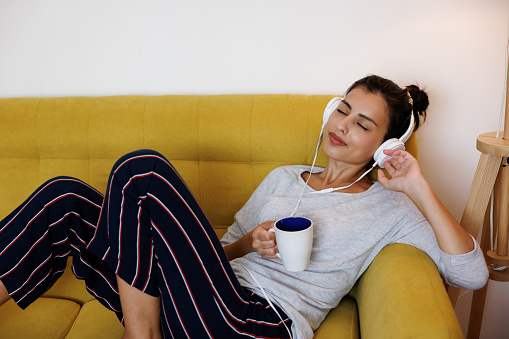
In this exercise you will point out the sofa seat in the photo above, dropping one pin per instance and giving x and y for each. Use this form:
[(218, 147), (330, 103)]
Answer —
[(95, 319), (46, 318)]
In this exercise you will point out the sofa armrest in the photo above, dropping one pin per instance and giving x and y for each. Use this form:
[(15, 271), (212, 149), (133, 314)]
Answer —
[(402, 295)]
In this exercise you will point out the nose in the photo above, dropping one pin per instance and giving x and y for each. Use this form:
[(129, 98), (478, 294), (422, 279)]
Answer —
[(344, 124)]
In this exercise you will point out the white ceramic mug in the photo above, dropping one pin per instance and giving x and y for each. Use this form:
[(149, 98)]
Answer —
[(294, 237)]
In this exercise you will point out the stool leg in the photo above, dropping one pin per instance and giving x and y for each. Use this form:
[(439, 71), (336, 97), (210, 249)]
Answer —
[(477, 202), (480, 193), (502, 212), (479, 298), (476, 313)]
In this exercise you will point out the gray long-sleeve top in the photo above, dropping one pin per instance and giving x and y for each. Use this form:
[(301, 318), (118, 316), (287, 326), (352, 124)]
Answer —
[(350, 229)]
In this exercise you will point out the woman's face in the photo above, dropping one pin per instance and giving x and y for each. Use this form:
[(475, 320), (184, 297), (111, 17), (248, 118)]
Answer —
[(357, 128)]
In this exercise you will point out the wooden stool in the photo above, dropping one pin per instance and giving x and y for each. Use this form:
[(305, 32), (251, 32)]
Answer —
[(492, 174)]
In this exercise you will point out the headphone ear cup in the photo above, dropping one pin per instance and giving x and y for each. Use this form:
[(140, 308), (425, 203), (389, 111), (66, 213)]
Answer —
[(331, 106), (392, 144)]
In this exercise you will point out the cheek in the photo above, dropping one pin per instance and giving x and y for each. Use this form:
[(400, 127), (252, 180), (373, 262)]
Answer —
[(374, 146), (369, 146)]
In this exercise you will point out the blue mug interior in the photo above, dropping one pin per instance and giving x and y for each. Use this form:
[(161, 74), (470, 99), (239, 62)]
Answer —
[(293, 224)]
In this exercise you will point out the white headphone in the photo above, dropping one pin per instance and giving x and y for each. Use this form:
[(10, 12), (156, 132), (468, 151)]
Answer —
[(392, 144)]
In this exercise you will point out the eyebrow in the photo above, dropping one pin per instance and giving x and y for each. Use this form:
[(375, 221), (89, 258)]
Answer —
[(367, 118), (364, 116)]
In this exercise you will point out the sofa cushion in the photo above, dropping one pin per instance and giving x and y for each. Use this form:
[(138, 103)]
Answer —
[(400, 272), (45, 318), (69, 287), (96, 321), (341, 322)]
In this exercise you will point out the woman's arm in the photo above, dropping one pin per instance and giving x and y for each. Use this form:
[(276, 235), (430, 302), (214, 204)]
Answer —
[(407, 178), (259, 240)]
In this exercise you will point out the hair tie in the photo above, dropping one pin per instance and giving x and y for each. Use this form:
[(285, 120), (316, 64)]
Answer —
[(410, 100)]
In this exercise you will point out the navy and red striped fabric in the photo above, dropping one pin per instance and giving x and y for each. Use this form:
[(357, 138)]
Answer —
[(149, 230)]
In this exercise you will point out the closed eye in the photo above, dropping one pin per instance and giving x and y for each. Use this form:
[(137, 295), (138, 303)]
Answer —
[(358, 123)]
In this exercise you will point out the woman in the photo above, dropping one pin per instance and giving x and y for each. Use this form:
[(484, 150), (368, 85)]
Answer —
[(147, 252)]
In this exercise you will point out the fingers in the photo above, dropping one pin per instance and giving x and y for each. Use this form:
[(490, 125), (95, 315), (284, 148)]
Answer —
[(401, 155), (382, 179), (267, 250), (393, 153), (389, 168), (399, 161), (264, 241)]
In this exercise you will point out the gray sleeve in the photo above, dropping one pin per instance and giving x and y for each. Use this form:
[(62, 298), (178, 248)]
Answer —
[(466, 270)]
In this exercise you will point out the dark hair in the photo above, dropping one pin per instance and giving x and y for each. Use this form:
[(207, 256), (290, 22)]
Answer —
[(398, 103)]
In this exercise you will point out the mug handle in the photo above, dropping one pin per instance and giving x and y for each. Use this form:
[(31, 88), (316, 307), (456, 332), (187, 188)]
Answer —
[(273, 230)]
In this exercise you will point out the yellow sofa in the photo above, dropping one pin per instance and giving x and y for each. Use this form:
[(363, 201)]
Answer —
[(223, 146)]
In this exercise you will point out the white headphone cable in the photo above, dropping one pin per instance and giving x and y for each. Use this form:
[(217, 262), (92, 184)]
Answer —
[(329, 190), (502, 114), (502, 105), (268, 300), (310, 172)]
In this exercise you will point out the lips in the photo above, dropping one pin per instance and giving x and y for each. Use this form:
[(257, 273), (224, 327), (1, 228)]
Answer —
[(336, 140)]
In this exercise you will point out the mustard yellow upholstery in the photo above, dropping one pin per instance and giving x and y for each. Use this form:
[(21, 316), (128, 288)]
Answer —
[(223, 146)]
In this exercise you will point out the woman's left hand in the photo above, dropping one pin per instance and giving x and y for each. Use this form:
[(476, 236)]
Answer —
[(404, 170), (407, 178)]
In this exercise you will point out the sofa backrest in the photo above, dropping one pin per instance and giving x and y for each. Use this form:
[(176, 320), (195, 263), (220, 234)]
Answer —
[(223, 145)]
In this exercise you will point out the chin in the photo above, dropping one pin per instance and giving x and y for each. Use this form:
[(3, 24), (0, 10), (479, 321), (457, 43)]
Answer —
[(341, 158)]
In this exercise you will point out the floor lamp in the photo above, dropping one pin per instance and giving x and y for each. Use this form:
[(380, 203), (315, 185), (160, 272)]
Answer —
[(492, 175)]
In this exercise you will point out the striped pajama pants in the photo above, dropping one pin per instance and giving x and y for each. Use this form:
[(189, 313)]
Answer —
[(149, 230)]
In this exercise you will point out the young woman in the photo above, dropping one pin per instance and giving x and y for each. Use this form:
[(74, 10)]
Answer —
[(147, 252)]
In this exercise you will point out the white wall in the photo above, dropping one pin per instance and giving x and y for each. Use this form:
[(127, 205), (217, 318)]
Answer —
[(455, 48)]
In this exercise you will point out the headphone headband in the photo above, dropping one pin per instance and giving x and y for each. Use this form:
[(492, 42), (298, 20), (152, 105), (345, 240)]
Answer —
[(409, 130)]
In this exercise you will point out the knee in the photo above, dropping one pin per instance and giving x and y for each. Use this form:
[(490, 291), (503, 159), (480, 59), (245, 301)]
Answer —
[(143, 157), (61, 184), (140, 154)]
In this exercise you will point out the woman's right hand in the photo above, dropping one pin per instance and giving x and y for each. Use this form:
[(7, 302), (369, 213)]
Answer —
[(263, 242), (259, 240)]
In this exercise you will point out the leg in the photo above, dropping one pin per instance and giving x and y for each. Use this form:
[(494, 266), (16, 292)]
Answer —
[(4, 296), (56, 221), (155, 237), (141, 312)]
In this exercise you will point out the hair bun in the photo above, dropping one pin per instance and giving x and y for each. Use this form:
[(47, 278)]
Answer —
[(419, 98), (420, 104)]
